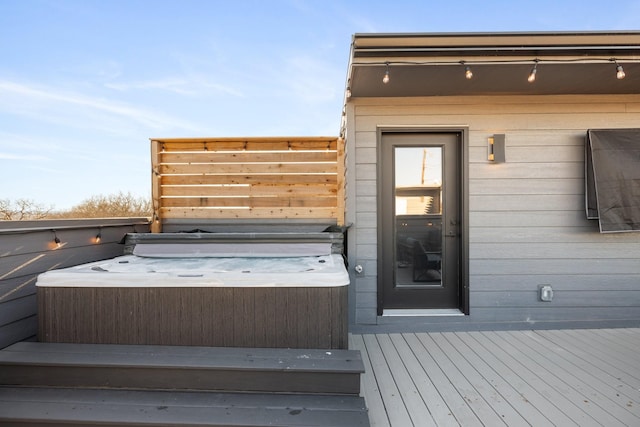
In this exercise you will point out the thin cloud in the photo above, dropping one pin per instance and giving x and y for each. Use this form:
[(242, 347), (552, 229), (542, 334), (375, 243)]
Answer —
[(25, 145), (23, 99), (11, 156), (179, 86), (196, 86)]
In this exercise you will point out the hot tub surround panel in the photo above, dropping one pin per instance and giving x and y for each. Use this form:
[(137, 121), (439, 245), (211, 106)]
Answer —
[(279, 317)]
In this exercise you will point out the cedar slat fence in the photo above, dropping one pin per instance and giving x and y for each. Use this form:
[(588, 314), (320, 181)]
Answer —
[(248, 178)]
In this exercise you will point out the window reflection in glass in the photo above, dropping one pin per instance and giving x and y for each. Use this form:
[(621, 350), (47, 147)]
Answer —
[(418, 210)]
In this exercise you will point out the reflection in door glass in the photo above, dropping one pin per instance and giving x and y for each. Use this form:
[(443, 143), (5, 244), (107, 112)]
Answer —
[(418, 216)]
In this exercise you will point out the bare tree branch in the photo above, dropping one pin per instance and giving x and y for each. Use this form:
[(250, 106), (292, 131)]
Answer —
[(23, 209)]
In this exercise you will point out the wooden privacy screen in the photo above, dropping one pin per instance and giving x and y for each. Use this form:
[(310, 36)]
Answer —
[(248, 178)]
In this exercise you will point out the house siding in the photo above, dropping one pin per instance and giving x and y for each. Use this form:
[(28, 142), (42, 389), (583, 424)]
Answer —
[(527, 224)]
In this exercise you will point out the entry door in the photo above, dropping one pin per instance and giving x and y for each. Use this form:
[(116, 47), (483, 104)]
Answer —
[(420, 221)]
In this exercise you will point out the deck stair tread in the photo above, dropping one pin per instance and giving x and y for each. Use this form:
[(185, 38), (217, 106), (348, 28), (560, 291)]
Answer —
[(59, 384), (36, 364), (308, 360), (22, 406)]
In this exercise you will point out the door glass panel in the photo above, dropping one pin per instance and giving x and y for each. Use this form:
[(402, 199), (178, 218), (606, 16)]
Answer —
[(418, 216)]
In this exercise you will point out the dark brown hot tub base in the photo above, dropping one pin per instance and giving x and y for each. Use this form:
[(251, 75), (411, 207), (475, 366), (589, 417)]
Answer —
[(278, 317)]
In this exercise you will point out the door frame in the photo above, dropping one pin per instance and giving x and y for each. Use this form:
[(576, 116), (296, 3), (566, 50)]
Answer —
[(463, 168)]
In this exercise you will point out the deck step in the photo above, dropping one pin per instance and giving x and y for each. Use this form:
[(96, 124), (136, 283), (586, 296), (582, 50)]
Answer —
[(106, 366), (22, 406)]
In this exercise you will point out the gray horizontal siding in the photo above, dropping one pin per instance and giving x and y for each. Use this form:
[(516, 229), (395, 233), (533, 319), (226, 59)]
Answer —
[(527, 224), (27, 249)]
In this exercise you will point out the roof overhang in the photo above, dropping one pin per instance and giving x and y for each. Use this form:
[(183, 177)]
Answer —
[(434, 64)]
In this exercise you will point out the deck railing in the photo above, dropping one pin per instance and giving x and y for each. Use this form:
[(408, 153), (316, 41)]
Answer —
[(28, 248)]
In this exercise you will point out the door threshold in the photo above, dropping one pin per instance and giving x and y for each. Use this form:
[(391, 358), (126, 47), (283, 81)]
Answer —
[(422, 312)]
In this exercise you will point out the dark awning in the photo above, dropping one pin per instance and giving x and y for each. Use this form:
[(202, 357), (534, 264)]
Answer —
[(612, 178)]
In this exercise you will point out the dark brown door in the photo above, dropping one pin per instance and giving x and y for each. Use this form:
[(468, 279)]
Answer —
[(419, 221)]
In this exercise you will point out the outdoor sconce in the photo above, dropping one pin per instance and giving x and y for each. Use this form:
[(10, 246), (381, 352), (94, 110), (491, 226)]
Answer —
[(496, 148)]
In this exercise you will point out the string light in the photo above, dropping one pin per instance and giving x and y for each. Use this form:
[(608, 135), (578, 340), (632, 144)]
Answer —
[(385, 79), (620, 74), (467, 71), (56, 240), (532, 74)]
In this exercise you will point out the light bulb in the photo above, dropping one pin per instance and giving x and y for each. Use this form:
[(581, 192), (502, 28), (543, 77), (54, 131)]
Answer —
[(56, 241), (385, 79), (468, 73), (620, 72), (532, 75)]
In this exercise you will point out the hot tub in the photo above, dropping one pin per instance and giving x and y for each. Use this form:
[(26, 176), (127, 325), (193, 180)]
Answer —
[(203, 294)]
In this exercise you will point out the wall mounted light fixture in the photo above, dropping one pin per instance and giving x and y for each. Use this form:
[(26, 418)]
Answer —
[(496, 148)]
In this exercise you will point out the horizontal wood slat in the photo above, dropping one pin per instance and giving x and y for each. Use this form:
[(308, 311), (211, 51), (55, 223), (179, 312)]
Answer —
[(191, 180), (248, 168), (249, 213), (247, 190), (250, 202), (247, 144), (248, 157), (261, 178)]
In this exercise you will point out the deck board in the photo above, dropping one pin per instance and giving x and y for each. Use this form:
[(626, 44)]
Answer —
[(598, 370), (467, 390), (597, 359), (440, 412), (601, 401), (41, 406), (457, 405), (556, 390), (504, 391), (531, 386), (623, 352), (369, 386), (408, 391), (394, 404), (538, 378), (181, 367), (476, 376), (559, 379)]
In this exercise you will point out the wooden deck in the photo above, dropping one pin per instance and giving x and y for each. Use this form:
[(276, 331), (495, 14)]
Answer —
[(587, 377)]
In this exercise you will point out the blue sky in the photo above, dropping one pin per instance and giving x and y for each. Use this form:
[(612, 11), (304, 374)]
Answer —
[(84, 84)]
